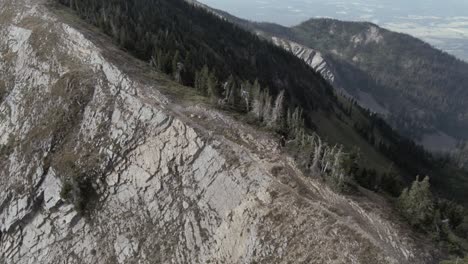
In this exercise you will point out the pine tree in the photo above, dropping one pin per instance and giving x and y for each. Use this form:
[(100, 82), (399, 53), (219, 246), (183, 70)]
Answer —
[(246, 89), (176, 69), (212, 87), (229, 87), (417, 203), (295, 123), (317, 150), (278, 111), (201, 80), (197, 80), (235, 99), (267, 108), (254, 93), (123, 37), (258, 104), (337, 176)]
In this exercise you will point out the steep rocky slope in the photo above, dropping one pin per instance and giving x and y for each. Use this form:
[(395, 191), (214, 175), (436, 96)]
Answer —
[(165, 181), (332, 72)]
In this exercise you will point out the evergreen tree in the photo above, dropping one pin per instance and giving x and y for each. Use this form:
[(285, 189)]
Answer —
[(231, 92), (267, 108), (201, 80), (123, 37), (295, 123), (176, 67), (258, 102), (246, 89), (212, 87), (256, 89), (235, 98), (278, 112), (417, 205)]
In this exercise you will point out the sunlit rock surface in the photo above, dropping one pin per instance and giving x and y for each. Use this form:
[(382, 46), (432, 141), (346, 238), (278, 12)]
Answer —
[(312, 57)]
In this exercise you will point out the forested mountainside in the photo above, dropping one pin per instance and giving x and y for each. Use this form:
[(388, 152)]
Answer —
[(108, 149), (193, 42), (424, 89)]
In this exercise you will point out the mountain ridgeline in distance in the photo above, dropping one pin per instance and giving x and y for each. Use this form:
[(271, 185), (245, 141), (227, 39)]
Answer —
[(420, 90)]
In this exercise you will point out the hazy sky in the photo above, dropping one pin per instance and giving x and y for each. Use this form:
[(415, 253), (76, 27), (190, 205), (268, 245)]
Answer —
[(443, 23), (290, 12)]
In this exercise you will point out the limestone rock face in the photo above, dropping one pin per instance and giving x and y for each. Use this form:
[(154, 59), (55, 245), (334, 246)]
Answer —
[(163, 182), (312, 57)]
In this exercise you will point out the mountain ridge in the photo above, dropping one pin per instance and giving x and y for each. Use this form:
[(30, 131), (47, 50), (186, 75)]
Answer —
[(417, 127), (365, 35), (109, 154), (161, 169)]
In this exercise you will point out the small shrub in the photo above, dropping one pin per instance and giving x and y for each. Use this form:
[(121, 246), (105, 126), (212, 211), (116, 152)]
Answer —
[(3, 90), (80, 169), (7, 149), (66, 191), (79, 192), (456, 260), (462, 229)]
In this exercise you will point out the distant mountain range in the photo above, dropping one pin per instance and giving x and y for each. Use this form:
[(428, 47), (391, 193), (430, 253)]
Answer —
[(443, 24), (420, 90)]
